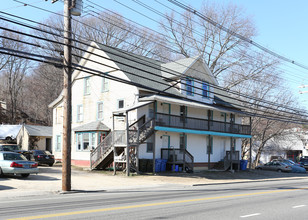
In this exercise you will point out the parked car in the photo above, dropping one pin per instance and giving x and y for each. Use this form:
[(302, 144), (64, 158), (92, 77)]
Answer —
[(13, 148), (304, 162), (42, 157), (296, 168), (275, 166), (17, 164)]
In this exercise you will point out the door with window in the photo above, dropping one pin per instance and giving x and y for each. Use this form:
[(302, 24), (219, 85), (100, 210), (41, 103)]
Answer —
[(101, 136)]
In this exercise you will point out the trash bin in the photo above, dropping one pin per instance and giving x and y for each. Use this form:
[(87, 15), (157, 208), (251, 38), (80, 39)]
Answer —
[(243, 164), (158, 163), (163, 165)]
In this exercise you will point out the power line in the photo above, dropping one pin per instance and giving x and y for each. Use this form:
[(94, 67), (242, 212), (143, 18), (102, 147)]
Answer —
[(220, 94), (158, 82), (194, 11)]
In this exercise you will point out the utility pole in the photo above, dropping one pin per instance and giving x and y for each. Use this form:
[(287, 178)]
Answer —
[(67, 98)]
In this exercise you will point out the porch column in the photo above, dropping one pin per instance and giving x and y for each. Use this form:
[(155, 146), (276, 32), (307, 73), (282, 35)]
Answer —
[(250, 147), (127, 145), (114, 150), (209, 153), (154, 142)]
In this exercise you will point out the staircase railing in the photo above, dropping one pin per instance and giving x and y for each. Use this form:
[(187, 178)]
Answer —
[(231, 157), (189, 161), (138, 136), (117, 138), (176, 156)]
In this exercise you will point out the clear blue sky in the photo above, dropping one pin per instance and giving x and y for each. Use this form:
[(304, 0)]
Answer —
[(281, 24)]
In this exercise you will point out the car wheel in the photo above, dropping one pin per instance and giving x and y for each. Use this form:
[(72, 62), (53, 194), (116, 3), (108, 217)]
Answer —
[(25, 174), (279, 170), (1, 173), (51, 164), (259, 168)]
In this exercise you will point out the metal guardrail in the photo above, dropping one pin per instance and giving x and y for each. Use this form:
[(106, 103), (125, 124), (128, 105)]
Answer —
[(167, 120)]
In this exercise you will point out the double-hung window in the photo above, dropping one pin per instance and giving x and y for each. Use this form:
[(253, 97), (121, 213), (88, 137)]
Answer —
[(105, 84), (79, 113), (86, 141), (120, 103), (189, 86), (100, 111), (58, 143), (86, 86), (205, 90)]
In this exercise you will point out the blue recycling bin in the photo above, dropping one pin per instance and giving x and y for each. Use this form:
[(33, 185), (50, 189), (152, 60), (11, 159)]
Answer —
[(243, 164), (158, 163), (163, 165)]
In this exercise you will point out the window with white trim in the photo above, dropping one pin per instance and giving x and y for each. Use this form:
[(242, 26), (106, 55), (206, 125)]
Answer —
[(79, 113), (87, 86), (85, 141), (58, 143), (105, 84), (100, 111), (59, 115)]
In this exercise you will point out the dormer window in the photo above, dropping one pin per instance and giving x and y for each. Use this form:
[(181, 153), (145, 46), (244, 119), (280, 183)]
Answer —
[(189, 86), (205, 90)]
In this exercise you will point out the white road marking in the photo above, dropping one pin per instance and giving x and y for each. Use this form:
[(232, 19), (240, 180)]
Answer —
[(247, 216), (298, 206)]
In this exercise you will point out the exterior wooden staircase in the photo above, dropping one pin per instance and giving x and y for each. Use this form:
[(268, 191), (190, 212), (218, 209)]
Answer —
[(103, 155)]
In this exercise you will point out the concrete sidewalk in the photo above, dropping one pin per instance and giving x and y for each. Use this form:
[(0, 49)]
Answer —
[(48, 181)]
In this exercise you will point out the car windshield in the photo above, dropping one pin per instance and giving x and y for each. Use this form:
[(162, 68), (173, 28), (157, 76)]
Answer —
[(42, 152), (8, 156), (10, 147), (39, 152)]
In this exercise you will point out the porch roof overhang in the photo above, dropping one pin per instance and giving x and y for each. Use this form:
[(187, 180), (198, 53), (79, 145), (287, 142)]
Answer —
[(189, 103), (181, 130), (131, 108), (92, 126)]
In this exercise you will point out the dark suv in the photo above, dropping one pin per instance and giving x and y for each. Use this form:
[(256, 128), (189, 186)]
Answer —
[(42, 157), (304, 162)]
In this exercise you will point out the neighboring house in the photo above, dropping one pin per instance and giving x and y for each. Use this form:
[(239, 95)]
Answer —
[(37, 137), (293, 143), (9, 132), (185, 119)]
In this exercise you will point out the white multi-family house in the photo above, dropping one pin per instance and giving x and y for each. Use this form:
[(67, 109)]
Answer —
[(128, 109)]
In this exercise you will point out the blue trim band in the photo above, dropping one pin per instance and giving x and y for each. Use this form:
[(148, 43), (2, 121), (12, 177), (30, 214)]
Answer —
[(181, 130)]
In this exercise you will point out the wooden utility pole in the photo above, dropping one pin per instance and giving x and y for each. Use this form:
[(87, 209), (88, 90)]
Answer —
[(67, 99)]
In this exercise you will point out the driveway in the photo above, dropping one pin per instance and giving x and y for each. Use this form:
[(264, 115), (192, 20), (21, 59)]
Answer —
[(48, 181)]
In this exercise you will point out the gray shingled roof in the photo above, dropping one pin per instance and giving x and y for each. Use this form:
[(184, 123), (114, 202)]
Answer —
[(40, 131), (179, 66), (92, 126), (151, 73), (140, 69)]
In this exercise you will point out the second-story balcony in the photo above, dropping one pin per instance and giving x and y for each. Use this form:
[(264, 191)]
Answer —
[(175, 121)]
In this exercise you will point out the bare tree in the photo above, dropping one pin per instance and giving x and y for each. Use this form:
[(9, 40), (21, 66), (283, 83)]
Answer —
[(194, 36), (13, 74)]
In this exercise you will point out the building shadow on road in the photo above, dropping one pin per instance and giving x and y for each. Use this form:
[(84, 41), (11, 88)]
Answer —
[(237, 175)]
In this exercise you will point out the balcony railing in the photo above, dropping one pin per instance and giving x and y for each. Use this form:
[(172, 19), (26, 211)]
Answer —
[(175, 121)]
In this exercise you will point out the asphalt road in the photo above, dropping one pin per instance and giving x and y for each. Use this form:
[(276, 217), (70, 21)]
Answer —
[(280, 199)]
